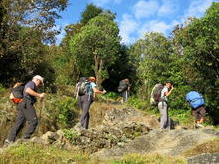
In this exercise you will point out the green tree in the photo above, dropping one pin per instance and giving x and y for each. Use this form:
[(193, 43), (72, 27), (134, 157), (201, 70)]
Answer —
[(25, 24), (96, 46), (152, 59), (200, 43), (90, 12)]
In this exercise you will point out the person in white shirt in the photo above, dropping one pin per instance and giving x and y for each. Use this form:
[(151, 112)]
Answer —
[(163, 105)]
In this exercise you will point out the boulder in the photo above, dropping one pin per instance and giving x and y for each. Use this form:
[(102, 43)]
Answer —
[(166, 142)]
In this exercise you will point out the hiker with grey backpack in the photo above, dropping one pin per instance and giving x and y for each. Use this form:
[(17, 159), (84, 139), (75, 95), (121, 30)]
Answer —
[(123, 89), (159, 96), (86, 94)]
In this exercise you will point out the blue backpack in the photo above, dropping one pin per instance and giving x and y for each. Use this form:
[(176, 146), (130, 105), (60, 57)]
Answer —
[(195, 99)]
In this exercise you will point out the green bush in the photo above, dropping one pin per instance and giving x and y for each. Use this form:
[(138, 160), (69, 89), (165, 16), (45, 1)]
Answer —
[(61, 110), (71, 135), (2, 89), (66, 107), (138, 103), (111, 95)]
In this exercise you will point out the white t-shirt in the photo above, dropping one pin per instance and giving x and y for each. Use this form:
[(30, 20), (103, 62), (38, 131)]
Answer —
[(164, 90)]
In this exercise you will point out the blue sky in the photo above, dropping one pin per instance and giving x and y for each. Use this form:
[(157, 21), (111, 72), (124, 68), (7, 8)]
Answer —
[(136, 17)]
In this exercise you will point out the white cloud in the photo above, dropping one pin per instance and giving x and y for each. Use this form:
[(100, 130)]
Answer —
[(197, 8), (157, 26), (144, 9), (168, 7), (104, 2), (154, 26), (127, 26)]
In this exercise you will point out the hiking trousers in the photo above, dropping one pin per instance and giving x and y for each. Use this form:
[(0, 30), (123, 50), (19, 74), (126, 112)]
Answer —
[(25, 113), (124, 95), (84, 103), (164, 119)]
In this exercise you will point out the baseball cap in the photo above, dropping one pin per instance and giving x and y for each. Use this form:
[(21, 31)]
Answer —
[(39, 78)]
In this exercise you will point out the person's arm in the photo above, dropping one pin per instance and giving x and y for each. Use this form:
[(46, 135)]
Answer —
[(168, 92), (98, 91), (33, 93)]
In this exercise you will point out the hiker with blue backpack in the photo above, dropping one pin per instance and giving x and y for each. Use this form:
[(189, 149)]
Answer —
[(196, 101), (86, 94)]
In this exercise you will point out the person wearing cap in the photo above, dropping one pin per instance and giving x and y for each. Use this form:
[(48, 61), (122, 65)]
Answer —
[(163, 105), (26, 110), (86, 100)]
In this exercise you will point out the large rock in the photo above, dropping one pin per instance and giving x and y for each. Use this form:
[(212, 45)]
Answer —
[(118, 127), (206, 158), (165, 142)]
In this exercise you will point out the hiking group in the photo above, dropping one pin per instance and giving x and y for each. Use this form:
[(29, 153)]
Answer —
[(24, 96), (159, 98)]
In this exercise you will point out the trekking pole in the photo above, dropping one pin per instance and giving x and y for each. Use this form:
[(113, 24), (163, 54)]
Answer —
[(42, 101)]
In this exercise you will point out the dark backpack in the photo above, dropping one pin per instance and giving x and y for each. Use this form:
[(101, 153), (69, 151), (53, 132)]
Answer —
[(156, 94), (17, 93), (195, 99), (84, 87), (122, 86)]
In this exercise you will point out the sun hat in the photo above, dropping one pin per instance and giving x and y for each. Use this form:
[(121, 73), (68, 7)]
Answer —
[(39, 78)]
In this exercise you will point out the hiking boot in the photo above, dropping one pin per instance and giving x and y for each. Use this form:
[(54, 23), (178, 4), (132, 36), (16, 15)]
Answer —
[(7, 143), (198, 125), (78, 127)]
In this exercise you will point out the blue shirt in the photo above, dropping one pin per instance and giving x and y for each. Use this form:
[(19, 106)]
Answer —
[(93, 85)]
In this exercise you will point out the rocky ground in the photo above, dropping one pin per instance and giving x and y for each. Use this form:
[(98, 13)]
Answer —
[(125, 131)]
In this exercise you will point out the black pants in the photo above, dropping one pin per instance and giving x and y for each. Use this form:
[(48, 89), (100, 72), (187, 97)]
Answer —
[(25, 112), (84, 103)]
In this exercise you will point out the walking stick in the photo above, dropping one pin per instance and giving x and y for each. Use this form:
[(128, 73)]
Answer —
[(42, 101)]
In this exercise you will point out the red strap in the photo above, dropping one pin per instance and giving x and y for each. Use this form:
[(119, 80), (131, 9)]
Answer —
[(17, 100)]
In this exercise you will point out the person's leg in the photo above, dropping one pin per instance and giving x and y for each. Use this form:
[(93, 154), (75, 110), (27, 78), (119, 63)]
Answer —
[(32, 120), (20, 120), (79, 102), (126, 96), (85, 114), (123, 96), (202, 113), (162, 106)]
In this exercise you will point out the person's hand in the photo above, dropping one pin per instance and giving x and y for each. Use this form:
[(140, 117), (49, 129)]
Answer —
[(104, 91), (172, 87), (42, 95)]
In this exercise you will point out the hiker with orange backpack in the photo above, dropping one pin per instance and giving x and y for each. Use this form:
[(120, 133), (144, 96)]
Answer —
[(26, 110)]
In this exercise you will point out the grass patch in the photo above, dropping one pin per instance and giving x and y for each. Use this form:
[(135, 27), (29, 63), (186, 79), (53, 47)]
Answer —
[(34, 153), (149, 159), (207, 147)]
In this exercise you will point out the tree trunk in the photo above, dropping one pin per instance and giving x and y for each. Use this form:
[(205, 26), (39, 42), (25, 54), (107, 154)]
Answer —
[(98, 69)]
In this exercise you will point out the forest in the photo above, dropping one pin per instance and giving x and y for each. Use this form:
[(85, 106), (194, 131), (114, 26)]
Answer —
[(188, 57)]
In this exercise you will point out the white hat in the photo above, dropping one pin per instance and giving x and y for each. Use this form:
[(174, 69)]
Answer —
[(39, 78)]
